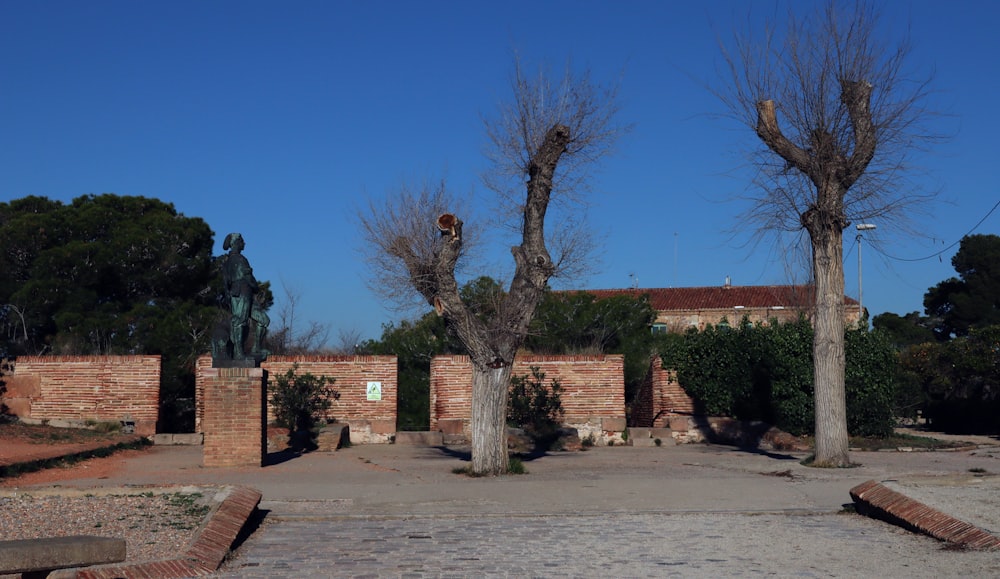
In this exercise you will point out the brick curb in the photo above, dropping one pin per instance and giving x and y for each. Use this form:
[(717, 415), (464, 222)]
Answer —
[(207, 551), (875, 500)]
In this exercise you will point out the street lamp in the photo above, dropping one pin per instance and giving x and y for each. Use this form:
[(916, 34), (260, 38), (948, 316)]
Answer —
[(861, 306)]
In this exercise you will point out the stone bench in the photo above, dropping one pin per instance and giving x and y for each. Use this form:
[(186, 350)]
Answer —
[(37, 557)]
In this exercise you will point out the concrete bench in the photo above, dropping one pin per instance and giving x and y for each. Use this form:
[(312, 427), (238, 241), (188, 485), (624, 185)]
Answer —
[(37, 557)]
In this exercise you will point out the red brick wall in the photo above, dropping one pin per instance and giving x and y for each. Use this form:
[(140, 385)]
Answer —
[(593, 389), (660, 398), (370, 420), (233, 419), (83, 388)]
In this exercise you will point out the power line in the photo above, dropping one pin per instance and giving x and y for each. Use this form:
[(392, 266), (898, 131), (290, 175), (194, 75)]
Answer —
[(933, 255)]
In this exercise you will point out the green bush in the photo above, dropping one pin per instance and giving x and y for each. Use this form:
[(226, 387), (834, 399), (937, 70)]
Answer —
[(301, 402), (764, 373), (533, 406), (959, 380), (869, 379)]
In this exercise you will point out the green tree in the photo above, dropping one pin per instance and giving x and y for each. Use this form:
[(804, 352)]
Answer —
[(960, 380), (579, 323), (972, 300), (108, 274), (903, 331)]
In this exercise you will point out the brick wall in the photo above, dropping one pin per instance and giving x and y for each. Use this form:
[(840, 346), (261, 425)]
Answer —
[(371, 421), (593, 396), (234, 417), (86, 388), (660, 398)]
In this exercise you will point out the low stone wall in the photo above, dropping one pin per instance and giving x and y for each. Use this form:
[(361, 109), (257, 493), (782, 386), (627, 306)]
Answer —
[(593, 392), (367, 385), (85, 389)]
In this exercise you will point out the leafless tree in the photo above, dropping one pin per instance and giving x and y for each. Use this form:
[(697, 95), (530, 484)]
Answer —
[(347, 341), (542, 145), (289, 338), (838, 117)]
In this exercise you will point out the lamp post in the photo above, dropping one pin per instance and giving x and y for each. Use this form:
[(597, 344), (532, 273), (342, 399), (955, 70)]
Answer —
[(861, 305)]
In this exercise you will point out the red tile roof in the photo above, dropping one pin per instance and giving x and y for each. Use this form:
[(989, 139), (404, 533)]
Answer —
[(721, 297)]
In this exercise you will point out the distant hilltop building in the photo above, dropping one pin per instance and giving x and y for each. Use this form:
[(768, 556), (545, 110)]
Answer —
[(696, 307)]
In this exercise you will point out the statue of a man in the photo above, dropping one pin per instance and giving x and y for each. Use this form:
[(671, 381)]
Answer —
[(244, 300)]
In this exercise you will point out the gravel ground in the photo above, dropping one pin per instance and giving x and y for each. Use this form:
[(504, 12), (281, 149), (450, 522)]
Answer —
[(154, 526)]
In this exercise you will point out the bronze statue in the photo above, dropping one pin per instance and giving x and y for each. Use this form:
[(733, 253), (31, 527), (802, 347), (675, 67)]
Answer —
[(244, 305)]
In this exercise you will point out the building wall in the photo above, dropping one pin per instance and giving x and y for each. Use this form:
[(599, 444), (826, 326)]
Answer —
[(678, 321), (86, 388), (593, 395), (371, 421)]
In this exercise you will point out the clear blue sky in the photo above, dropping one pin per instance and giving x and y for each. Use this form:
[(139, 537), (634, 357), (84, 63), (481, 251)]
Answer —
[(278, 119)]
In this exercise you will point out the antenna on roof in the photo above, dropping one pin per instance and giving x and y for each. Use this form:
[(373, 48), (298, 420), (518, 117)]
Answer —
[(635, 281), (675, 259)]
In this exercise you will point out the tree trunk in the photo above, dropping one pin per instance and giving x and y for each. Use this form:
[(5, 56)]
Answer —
[(828, 347), (490, 388)]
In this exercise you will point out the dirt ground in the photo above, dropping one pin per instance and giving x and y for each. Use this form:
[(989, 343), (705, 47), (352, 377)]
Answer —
[(20, 442)]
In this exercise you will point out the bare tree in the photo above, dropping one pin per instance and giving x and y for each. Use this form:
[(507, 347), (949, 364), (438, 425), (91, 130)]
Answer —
[(289, 338), (838, 118), (348, 341), (545, 140)]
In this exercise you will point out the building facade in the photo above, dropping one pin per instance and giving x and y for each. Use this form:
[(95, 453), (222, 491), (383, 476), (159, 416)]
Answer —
[(697, 307)]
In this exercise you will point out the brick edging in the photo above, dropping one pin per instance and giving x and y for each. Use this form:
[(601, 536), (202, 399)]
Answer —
[(207, 551), (874, 499)]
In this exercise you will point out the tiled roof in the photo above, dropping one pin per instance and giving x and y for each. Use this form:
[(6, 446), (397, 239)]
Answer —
[(721, 297)]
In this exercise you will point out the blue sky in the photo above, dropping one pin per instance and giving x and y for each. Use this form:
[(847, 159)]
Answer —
[(278, 120)]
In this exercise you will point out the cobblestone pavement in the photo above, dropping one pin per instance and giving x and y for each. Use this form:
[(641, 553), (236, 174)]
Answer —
[(612, 545)]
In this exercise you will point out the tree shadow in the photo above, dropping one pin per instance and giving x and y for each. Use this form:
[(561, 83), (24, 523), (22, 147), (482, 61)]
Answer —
[(466, 455), (463, 455), (740, 436)]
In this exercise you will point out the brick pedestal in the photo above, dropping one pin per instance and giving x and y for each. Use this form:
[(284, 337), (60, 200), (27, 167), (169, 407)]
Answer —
[(235, 415)]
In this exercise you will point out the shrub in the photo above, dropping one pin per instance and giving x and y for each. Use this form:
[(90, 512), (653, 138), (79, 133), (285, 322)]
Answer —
[(533, 406), (301, 402), (764, 373)]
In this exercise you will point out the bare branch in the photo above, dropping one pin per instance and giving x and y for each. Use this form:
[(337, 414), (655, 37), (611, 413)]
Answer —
[(516, 133), (850, 117)]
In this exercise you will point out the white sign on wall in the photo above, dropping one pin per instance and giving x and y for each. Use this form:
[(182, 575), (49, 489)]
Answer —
[(374, 390)]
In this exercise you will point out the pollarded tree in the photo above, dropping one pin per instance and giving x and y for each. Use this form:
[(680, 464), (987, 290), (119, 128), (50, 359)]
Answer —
[(837, 116), (542, 145)]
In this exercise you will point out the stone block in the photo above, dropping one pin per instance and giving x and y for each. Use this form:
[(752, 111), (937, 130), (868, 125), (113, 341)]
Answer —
[(680, 423), (638, 432), (420, 438), (383, 426), (178, 439), (661, 433), (333, 436), (651, 442), (451, 426), (610, 424), (38, 556)]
